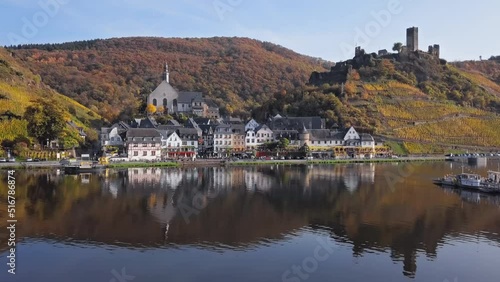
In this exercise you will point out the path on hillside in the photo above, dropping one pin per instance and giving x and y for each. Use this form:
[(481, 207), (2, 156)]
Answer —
[(414, 123), (472, 147)]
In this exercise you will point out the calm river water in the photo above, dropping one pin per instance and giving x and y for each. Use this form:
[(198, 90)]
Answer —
[(359, 222)]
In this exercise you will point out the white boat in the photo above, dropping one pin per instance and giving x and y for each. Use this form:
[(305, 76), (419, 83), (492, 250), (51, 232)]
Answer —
[(469, 181)]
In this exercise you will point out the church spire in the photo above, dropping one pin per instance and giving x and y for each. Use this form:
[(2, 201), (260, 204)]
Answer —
[(167, 74)]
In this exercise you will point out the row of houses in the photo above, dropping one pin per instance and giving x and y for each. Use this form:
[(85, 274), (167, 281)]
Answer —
[(146, 140)]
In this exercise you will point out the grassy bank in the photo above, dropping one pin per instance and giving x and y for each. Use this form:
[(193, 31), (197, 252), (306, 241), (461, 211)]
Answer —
[(139, 164), (375, 161), (345, 161)]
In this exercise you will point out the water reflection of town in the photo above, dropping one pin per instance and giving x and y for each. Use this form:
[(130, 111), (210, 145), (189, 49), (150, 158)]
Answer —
[(242, 207), (250, 178)]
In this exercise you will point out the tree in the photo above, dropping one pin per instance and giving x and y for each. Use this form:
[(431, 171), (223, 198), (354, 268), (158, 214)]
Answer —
[(160, 109), (69, 139), (151, 109), (284, 143), (45, 120), (20, 148), (304, 149), (398, 46)]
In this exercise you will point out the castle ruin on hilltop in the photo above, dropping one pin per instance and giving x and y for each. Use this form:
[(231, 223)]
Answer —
[(339, 72)]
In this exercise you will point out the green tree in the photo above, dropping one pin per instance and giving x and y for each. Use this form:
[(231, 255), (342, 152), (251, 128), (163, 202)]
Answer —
[(397, 47), (284, 143), (305, 149), (69, 139), (45, 120)]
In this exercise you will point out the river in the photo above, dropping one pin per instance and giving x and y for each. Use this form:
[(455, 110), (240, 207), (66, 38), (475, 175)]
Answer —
[(349, 222)]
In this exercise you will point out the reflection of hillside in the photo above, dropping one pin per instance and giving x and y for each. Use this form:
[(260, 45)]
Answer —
[(238, 219), (124, 207), (414, 217)]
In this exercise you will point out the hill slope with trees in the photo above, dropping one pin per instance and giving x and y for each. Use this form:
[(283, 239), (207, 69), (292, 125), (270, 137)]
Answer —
[(22, 90), (417, 100), (114, 76)]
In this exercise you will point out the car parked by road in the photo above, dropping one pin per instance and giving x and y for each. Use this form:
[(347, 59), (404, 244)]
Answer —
[(11, 160), (3, 160)]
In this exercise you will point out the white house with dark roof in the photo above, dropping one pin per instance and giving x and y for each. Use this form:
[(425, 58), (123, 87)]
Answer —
[(263, 134), (251, 125), (170, 143), (223, 139), (111, 136), (190, 141), (258, 136), (142, 144)]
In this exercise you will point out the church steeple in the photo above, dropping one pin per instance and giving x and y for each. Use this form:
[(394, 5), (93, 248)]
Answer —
[(167, 74)]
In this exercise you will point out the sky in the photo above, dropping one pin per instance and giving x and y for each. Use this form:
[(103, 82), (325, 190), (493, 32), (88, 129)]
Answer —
[(329, 29)]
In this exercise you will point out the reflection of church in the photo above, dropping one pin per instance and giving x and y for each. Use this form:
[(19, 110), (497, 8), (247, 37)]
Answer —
[(171, 101)]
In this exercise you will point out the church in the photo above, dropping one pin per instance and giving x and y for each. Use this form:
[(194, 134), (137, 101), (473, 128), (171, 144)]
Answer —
[(173, 101)]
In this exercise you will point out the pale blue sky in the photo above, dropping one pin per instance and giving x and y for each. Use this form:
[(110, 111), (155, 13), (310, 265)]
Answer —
[(323, 28)]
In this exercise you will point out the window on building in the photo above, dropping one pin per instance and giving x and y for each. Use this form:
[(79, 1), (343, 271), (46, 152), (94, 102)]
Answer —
[(144, 144), (153, 153), (136, 154), (145, 153), (155, 103)]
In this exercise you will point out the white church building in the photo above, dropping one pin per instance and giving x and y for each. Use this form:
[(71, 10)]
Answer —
[(173, 101)]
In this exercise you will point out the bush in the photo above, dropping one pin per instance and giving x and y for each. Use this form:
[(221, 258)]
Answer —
[(20, 148), (72, 110)]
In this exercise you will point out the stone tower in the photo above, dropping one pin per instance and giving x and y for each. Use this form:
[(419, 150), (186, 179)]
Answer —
[(412, 39), (357, 51), (434, 50), (304, 136)]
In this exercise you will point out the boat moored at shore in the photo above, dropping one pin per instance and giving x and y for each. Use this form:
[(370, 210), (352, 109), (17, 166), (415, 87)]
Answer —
[(475, 182)]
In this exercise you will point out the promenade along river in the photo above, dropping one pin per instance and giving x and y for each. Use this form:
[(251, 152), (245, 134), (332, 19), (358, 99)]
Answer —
[(354, 222)]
